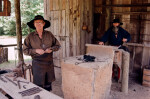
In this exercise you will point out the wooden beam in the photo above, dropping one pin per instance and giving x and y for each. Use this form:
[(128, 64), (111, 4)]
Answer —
[(18, 30), (125, 5), (131, 13)]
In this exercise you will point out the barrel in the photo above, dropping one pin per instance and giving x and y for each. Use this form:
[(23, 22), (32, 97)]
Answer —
[(146, 77)]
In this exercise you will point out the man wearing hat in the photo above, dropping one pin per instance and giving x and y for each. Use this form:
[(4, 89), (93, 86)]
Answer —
[(115, 35), (40, 45)]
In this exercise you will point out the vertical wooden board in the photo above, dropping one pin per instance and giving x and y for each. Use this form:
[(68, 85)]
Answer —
[(47, 13), (146, 56), (63, 40), (90, 21), (116, 9), (60, 4), (67, 28), (126, 21), (142, 27), (138, 61), (148, 8), (74, 27), (78, 27), (51, 4), (86, 20), (63, 17), (126, 9), (82, 21), (67, 17), (113, 8), (56, 30), (56, 22), (51, 18), (119, 9), (135, 27), (56, 58), (136, 9), (45, 7), (71, 4), (63, 2), (98, 2), (56, 5), (147, 29), (71, 27)]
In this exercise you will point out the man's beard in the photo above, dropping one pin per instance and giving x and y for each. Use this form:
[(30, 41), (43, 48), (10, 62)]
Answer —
[(115, 29)]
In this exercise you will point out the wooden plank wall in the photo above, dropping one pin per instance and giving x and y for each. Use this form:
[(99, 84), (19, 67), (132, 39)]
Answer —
[(138, 26), (67, 18), (136, 22)]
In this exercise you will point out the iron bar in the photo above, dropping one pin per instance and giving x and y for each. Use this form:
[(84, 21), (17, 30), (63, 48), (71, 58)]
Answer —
[(11, 81)]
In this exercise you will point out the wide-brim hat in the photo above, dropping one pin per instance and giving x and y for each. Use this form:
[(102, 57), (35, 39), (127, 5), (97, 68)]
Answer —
[(117, 21), (38, 17)]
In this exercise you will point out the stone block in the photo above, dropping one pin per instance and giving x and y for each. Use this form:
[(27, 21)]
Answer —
[(87, 80)]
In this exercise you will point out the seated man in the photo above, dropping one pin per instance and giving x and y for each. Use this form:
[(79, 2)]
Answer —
[(115, 35)]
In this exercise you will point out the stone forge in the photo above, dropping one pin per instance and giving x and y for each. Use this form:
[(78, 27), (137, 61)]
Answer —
[(87, 80)]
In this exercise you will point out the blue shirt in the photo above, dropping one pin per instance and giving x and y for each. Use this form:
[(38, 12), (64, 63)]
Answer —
[(111, 38)]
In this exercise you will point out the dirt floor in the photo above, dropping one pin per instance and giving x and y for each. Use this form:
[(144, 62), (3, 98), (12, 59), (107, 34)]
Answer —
[(136, 90)]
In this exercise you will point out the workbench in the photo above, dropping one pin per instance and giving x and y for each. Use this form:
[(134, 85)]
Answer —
[(13, 89)]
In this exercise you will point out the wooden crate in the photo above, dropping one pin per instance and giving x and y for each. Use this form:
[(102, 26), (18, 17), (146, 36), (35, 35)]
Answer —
[(146, 77)]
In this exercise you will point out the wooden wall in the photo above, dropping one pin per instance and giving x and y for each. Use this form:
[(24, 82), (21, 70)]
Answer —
[(135, 15), (136, 21), (67, 19)]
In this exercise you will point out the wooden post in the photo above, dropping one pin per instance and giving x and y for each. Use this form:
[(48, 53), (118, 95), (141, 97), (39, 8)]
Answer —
[(0, 5), (18, 30), (108, 14), (125, 71)]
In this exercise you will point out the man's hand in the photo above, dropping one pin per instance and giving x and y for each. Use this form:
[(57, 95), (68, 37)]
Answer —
[(124, 40), (40, 51), (48, 50), (101, 43)]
